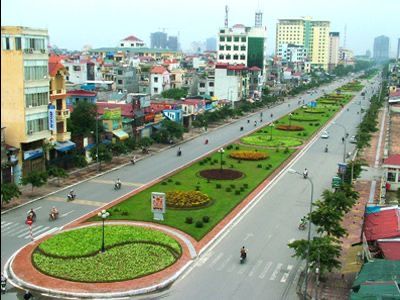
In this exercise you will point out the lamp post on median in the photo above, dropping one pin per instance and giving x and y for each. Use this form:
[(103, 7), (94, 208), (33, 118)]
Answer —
[(292, 171), (221, 151), (271, 125), (103, 215)]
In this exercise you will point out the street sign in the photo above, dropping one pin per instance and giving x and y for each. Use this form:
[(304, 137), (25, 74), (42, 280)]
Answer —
[(158, 205), (342, 168), (336, 182)]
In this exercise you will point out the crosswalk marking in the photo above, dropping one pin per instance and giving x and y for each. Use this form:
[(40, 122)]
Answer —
[(231, 268), (266, 268), (215, 260), (78, 201), (203, 259), (258, 263), (54, 229), (286, 274), (27, 231), (10, 228), (19, 231), (224, 263), (22, 230), (276, 271), (137, 184)]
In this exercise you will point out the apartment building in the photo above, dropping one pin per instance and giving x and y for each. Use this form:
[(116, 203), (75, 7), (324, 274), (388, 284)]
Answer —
[(334, 43), (231, 82), (159, 80), (313, 35), (25, 95), (381, 48)]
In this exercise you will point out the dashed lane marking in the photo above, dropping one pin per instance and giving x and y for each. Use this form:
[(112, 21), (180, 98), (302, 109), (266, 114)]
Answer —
[(215, 260), (276, 271), (258, 263), (226, 261)]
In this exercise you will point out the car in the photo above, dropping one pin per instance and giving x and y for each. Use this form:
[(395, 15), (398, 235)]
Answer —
[(353, 139), (325, 135)]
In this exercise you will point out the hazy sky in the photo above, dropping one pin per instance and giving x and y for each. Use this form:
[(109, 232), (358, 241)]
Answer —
[(100, 23)]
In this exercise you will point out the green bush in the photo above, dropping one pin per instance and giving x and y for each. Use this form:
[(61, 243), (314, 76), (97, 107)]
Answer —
[(189, 220), (228, 189), (164, 183), (206, 219), (178, 183), (218, 186), (259, 166), (199, 224), (237, 192)]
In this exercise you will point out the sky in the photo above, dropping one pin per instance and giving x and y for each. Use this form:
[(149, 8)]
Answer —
[(98, 23)]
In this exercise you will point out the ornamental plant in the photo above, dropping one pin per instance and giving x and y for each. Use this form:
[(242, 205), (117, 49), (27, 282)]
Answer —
[(186, 199), (248, 155)]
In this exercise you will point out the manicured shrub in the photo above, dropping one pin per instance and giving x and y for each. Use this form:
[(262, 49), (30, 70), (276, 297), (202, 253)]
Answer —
[(197, 188), (178, 183), (286, 150), (164, 183), (228, 189), (237, 192), (259, 166), (237, 148), (206, 219), (246, 185), (199, 224), (232, 185), (189, 220), (218, 186), (169, 180)]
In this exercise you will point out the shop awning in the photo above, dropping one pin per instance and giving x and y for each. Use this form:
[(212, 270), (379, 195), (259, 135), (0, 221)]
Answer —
[(119, 133), (32, 154), (64, 146)]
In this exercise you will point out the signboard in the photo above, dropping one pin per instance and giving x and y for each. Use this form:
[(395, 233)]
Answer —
[(336, 182), (313, 104), (112, 113), (342, 168), (52, 117), (158, 205)]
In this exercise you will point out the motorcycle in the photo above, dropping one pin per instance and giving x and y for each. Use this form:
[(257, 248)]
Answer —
[(243, 256), (241, 128), (179, 153), (305, 175), (302, 226), (206, 142), (117, 186), (53, 216), (71, 196), (326, 149), (3, 285)]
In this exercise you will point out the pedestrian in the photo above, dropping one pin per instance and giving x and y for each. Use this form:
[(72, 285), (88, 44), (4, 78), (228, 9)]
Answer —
[(248, 121), (255, 123)]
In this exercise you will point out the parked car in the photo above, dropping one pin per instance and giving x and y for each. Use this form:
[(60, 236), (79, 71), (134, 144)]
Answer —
[(353, 139), (325, 135)]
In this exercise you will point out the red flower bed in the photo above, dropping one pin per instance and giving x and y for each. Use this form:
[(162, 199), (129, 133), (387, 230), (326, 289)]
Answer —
[(290, 128), (224, 174)]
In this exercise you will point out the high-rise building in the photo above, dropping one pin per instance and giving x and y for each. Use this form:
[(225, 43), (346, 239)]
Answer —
[(242, 45), (334, 42), (25, 108), (158, 40), (381, 48), (313, 35), (398, 48), (172, 43), (211, 44)]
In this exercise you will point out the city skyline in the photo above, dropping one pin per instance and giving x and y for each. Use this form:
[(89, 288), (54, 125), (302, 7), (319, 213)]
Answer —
[(108, 28)]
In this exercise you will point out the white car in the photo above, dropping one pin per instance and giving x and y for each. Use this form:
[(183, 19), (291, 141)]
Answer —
[(325, 135), (353, 140)]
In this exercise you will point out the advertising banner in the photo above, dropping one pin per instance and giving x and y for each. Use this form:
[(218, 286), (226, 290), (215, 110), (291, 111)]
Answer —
[(52, 117), (158, 205)]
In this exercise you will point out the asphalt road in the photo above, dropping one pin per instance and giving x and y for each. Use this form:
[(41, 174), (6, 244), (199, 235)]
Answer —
[(265, 230)]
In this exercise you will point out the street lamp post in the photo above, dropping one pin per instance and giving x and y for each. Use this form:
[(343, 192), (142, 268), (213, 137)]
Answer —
[(103, 215), (97, 141), (290, 119), (309, 229), (221, 151), (271, 125)]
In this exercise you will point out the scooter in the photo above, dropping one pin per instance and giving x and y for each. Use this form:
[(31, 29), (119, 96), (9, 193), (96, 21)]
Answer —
[(305, 175), (71, 197), (179, 153), (241, 128), (53, 216), (206, 142), (3, 285), (117, 186), (302, 226), (243, 257), (326, 149)]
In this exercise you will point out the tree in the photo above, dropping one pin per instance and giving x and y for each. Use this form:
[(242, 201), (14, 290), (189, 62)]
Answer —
[(174, 93), (83, 119), (119, 148), (9, 191), (327, 219), (324, 252), (36, 179), (58, 173), (339, 199), (145, 142), (104, 154)]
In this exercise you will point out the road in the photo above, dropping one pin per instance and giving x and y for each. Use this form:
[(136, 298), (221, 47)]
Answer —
[(278, 207)]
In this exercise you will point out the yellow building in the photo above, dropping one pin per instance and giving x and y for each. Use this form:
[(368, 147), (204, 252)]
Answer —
[(25, 95), (313, 35)]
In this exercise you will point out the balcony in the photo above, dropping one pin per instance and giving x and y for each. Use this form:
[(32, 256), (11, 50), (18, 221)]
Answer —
[(63, 114), (63, 136)]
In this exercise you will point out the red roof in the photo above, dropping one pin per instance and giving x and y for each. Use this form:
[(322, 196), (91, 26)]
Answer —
[(158, 70), (132, 38), (81, 93), (54, 65), (392, 160), (390, 249), (395, 93), (382, 224), (254, 68), (237, 67), (126, 108)]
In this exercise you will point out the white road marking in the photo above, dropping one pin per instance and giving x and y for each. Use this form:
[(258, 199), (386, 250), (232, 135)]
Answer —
[(276, 271), (10, 228), (25, 227), (2, 222), (248, 235), (286, 274), (266, 268), (202, 260), (5, 225), (242, 269), (232, 267), (259, 262), (35, 209), (46, 233), (28, 231), (224, 263), (67, 213), (215, 260)]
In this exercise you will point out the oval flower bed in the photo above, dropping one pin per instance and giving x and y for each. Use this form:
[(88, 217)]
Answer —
[(265, 140), (290, 127), (131, 252), (186, 199), (248, 155)]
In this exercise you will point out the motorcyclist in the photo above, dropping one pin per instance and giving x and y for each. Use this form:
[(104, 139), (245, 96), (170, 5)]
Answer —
[(243, 253), (28, 295), (54, 213), (71, 195), (179, 153), (206, 141), (305, 173), (118, 183), (3, 283), (31, 215), (326, 148)]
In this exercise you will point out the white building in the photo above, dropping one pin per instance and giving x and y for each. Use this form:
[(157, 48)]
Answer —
[(346, 56), (82, 70), (206, 83), (334, 42), (131, 42), (231, 82), (159, 80), (292, 53)]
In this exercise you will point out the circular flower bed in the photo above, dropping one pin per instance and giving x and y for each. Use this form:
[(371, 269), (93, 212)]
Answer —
[(277, 141), (290, 127), (248, 155), (224, 174), (131, 252), (186, 199)]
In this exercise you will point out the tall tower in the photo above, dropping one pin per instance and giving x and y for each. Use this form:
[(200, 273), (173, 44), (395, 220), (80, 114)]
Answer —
[(345, 36), (258, 19), (226, 16)]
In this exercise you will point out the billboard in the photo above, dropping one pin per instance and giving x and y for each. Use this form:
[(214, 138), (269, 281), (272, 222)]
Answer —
[(158, 202), (52, 117)]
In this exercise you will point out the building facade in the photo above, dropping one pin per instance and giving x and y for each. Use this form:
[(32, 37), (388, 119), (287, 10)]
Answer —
[(334, 43), (159, 80), (381, 48), (158, 40), (211, 44), (25, 95), (231, 82), (313, 35), (242, 45), (173, 43), (131, 42)]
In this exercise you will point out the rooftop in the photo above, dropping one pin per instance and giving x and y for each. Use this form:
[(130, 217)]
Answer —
[(393, 160), (132, 38), (382, 224)]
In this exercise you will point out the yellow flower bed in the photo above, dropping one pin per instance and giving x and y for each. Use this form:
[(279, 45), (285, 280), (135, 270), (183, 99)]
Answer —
[(248, 155), (186, 199)]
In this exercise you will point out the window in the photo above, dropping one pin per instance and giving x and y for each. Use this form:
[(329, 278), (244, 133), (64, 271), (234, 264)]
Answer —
[(155, 79), (228, 48), (18, 45), (243, 39), (155, 90), (221, 47), (202, 85), (222, 39), (243, 48), (211, 84), (211, 94), (37, 125), (76, 68), (119, 72), (242, 57), (391, 177), (229, 39), (35, 72), (120, 81), (228, 56), (236, 39), (221, 56), (7, 45), (36, 99), (222, 31), (132, 45), (34, 43), (236, 48), (122, 44), (236, 57)]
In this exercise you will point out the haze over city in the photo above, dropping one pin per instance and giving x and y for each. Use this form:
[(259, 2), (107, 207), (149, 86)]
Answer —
[(99, 24)]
